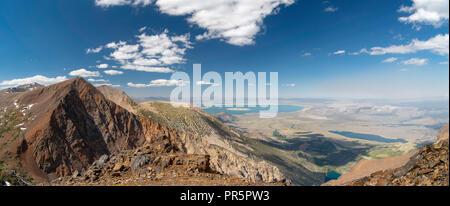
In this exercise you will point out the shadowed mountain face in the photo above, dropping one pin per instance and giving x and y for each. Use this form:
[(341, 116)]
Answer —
[(72, 125)]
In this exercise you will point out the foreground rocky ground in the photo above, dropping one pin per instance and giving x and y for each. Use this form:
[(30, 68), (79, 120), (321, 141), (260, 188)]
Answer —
[(157, 163)]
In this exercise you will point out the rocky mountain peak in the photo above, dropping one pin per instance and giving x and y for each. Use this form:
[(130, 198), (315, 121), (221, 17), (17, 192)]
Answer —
[(72, 124)]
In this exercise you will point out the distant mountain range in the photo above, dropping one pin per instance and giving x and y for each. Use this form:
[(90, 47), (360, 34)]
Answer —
[(24, 88), (147, 99)]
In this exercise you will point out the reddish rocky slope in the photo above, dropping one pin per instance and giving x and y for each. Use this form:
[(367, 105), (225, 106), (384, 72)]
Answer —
[(71, 125)]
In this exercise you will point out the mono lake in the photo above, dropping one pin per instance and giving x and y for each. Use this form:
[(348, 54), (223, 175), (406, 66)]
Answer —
[(368, 137), (246, 110)]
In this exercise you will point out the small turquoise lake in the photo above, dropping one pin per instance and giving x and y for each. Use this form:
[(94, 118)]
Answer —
[(332, 175), (247, 110), (369, 137)]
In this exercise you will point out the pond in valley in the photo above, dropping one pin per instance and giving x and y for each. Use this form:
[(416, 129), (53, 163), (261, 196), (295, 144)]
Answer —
[(369, 137)]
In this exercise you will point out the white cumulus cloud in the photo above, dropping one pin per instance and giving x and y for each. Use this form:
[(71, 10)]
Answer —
[(107, 3), (147, 68), (84, 73), (235, 21), (158, 83), (113, 72), (437, 44), (307, 54), (415, 61), (432, 12), (102, 66), (94, 50), (150, 53), (142, 29), (331, 9), (97, 80), (38, 79), (339, 52), (390, 60)]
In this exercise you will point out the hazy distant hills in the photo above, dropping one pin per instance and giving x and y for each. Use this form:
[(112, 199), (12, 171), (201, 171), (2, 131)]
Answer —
[(147, 99), (23, 88)]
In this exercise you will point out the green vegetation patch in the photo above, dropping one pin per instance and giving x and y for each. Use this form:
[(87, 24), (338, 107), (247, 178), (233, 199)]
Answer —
[(10, 118), (15, 176)]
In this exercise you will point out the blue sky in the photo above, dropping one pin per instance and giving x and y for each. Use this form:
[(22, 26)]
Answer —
[(316, 46)]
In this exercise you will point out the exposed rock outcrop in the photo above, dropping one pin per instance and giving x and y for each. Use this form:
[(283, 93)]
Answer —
[(156, 163), (202, 134)]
